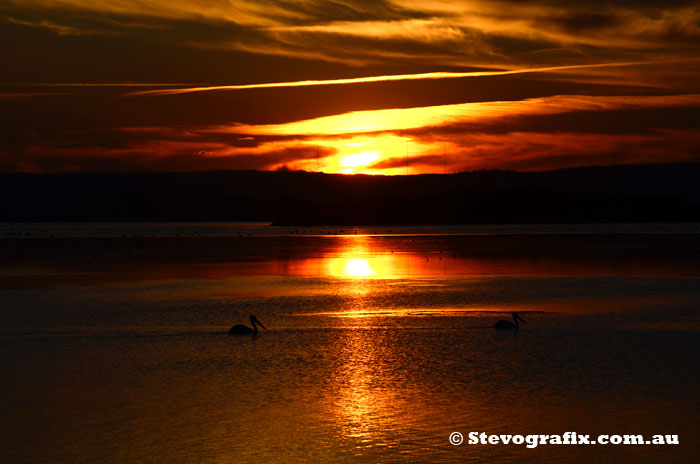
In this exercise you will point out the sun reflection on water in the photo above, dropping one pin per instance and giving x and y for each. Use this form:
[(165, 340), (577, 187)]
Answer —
[(358, 259), (363, 407), (353, 267)]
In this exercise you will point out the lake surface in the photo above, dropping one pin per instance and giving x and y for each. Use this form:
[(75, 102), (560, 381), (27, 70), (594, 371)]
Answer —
[(378, 346)]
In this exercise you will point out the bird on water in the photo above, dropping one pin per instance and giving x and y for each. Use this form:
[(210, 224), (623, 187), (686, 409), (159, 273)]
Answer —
[(503, 324), (240, 329)]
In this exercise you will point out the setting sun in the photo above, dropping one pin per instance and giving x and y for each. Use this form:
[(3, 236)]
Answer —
[(359, 159)]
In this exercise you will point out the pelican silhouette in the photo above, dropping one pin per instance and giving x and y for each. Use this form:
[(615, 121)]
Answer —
[(240, 329), (503, 324)]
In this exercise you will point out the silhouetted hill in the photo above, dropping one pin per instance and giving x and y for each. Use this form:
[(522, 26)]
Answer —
[(595, 194)]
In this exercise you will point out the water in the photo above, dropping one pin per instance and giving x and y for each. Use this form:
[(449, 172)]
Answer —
[(376, 348)]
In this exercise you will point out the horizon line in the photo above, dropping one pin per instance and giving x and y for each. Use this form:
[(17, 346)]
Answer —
[(297, 171)]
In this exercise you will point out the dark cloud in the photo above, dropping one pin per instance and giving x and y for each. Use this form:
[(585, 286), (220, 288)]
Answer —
[(357, 10), (586, 22), (82, 158)]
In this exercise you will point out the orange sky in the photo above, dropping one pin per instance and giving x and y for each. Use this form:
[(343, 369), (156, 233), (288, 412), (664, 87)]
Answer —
[(354, 86)]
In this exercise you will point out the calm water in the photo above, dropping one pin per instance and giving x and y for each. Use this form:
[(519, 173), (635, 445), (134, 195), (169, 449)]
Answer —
[(376, 348)]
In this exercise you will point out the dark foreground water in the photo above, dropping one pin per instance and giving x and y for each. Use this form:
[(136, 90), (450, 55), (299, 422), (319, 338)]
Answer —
[(377, 348)]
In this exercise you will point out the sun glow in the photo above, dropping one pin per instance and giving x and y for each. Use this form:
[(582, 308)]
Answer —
[(368, 154)]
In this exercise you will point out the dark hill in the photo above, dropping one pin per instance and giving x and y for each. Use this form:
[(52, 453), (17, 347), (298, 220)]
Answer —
[(595, 194)]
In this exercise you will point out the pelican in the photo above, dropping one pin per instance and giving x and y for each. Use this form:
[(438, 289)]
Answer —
[(503, 324), (240, 329)]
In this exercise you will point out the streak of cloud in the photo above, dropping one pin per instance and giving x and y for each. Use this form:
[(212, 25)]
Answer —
[(91, 84), (9, 95), (400, 77), (474, 113), (538, 151)]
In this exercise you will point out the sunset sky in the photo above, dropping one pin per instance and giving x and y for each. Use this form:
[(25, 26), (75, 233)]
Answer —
[(349, 86)]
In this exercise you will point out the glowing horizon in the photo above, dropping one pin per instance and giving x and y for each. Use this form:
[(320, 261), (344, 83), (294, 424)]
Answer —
[(385, 142)]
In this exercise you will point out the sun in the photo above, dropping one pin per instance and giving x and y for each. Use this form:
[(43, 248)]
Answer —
[(358, 160)]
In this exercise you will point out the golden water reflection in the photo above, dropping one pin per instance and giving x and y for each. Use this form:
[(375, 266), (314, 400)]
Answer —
[(359, 257), (349, 257), (363, 404)]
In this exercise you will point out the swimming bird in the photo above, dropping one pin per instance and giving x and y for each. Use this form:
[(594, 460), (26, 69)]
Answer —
[(240, 329), (503, 324)]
